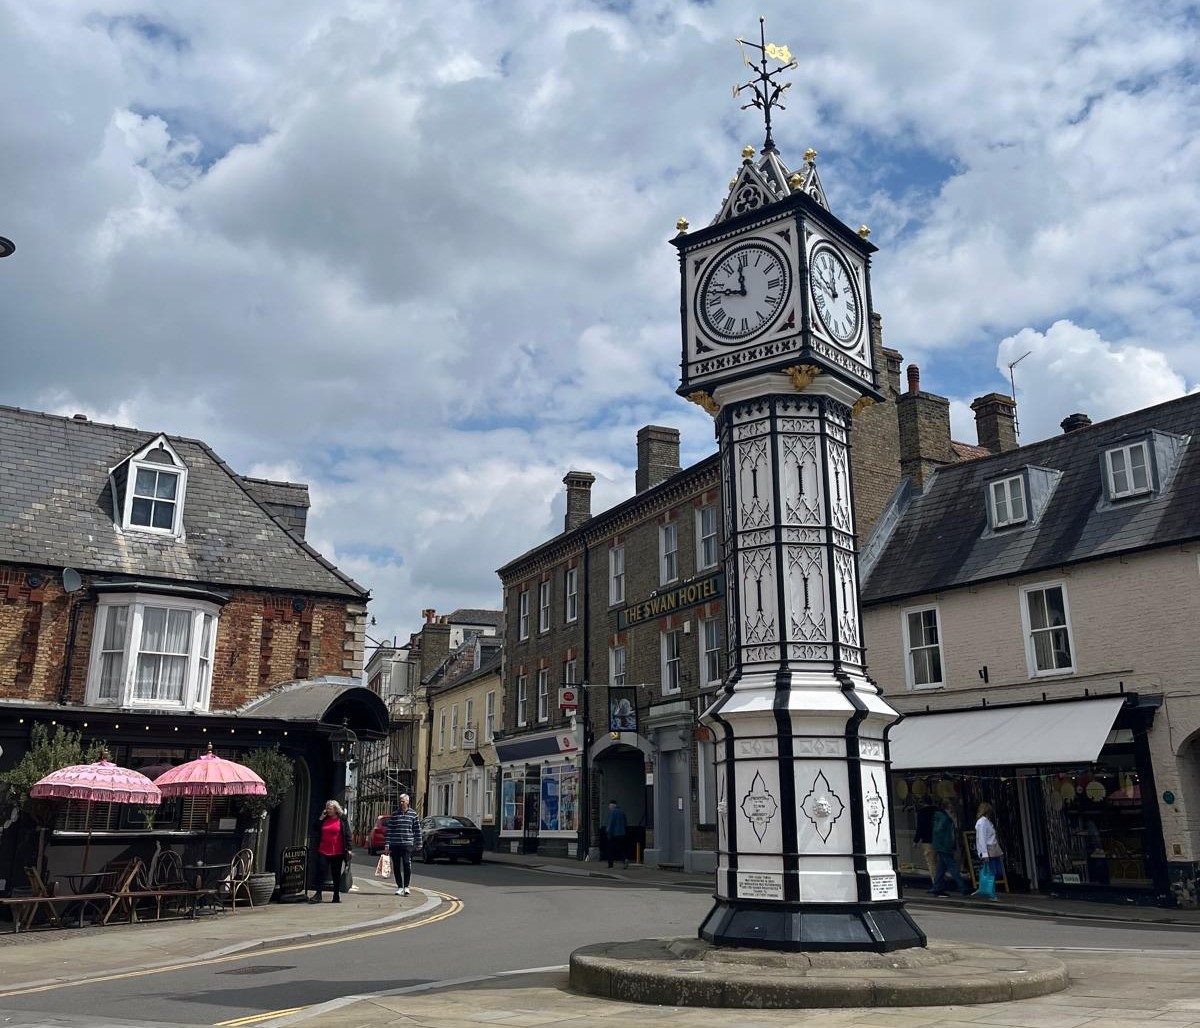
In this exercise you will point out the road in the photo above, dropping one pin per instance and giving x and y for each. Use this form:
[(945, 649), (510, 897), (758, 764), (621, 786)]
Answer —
[(511, 919)]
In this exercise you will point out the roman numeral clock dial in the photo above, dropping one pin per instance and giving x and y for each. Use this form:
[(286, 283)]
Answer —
[(743, 290), (835, 295)]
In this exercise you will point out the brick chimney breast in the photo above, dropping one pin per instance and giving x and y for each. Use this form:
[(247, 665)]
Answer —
[(579, 498), (1074, 422), (996, 422), (923, 420), (658, 456)]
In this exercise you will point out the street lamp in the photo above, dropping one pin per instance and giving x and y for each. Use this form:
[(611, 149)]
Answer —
[(7, 247)]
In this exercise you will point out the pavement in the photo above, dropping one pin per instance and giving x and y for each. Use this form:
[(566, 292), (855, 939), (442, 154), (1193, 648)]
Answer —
[(1108, 989)]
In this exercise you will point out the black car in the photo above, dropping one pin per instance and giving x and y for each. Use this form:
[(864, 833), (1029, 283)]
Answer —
[(452, 837)]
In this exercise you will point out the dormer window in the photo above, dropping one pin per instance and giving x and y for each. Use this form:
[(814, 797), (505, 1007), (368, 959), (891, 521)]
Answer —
[(1008, 502), (1128, 471), (148, 489)]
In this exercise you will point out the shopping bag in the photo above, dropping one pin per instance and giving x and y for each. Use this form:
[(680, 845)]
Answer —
[(383, 867), (347, 877), (987, 881)]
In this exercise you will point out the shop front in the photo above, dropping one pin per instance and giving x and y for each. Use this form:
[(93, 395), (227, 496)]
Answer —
[(539, 794), (1071, 782)]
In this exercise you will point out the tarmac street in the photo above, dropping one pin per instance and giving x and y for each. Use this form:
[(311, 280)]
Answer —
[(489, 945)]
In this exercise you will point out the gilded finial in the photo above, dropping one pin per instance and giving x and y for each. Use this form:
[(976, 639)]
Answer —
[(682, 224), (810, 155), (864, 231), (747, 153), (733, 182), (796, 182), (802, 375), (702, 399)]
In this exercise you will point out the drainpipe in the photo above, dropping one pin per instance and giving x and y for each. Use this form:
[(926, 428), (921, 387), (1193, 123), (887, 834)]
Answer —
[(585, 806)]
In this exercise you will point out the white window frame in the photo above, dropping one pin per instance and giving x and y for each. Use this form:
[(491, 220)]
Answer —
[(570, 670), (473, 794), (671, 650), (1000, 497), (1030, 640), (469, 715), (709, 638), (911, 646), (571, 591), (1125, 453), (668, 553), (197, 683), (616, 665), (489, 716), (544, 606), (706, 782), (616, 575), (177, 468), (707, 538), (442, 730), (489, 794), (543, 695), (522, 700), (454, 727), (523, 614)]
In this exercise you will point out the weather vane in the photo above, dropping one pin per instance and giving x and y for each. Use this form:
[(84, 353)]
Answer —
[(767, 91)]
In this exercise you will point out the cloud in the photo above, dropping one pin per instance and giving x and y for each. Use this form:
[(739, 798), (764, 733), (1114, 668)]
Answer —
[(422, 261)]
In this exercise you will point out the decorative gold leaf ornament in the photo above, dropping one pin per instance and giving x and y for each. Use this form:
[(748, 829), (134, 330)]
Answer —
[(802, 375), (702, 399)]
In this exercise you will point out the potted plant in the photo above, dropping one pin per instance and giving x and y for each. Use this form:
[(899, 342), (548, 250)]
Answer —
[(277, 770)]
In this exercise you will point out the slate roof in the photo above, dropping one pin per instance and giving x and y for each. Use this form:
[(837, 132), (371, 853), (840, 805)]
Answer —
[(940, 541), (477, 616), (56, 510)]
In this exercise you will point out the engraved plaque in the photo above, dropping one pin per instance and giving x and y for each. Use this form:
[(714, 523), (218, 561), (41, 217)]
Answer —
[(883, 887), (764, 885)]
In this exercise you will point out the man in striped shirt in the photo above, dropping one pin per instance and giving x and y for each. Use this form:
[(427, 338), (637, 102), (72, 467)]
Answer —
[(403, 835)]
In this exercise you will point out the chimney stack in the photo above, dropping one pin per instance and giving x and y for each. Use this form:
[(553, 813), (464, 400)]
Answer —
[(924, 423), (579, 498), (995, 422), (658, 456), (1074, 422)]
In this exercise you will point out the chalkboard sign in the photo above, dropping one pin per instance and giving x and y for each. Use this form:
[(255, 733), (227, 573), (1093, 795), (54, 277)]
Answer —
[(293, 877)]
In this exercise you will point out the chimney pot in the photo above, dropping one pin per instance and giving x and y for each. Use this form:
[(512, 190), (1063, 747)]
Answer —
[(1074, 422), (914, 379), (428, 614)]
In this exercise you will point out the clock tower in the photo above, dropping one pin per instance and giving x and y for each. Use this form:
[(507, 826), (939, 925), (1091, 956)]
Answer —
[(776, 301)]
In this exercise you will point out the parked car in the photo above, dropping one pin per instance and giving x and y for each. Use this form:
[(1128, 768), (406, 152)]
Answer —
[(451, 837), (377, 838)]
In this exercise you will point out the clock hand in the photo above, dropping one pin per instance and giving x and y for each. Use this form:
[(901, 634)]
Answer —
[(742, 281)]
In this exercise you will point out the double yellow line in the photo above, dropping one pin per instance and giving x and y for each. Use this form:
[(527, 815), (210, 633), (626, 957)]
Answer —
[(453, 906)]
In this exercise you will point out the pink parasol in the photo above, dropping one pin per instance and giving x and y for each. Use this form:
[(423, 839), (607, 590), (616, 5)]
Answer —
[(211, 775), (101, 782)]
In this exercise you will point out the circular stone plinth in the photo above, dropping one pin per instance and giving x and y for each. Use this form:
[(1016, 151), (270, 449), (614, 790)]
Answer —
[(692, 973)]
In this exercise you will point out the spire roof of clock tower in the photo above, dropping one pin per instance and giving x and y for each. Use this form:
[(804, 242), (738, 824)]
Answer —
[(758, 185)]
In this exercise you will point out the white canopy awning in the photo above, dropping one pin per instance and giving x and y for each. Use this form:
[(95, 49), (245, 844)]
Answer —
[(1071, 732)]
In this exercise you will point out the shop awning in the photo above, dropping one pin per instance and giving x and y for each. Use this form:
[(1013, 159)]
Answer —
[(1071, 732)]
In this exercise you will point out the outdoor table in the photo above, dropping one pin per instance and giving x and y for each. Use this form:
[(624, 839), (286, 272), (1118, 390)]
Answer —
[(203, 875), (90, 881)]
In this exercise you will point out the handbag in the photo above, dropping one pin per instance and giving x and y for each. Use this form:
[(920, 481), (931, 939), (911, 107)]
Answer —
[(383, 867), (994, 850), (347, 877), (987, 882)]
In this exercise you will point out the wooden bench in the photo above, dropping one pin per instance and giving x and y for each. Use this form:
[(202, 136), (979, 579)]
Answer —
[(136, 888), (25, 909)]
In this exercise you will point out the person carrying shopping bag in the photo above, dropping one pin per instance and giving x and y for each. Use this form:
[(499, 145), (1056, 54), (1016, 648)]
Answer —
[(403, 837), (991, 856)]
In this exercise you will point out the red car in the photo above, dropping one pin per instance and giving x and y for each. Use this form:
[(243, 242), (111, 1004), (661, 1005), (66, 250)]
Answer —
[(377, 838)]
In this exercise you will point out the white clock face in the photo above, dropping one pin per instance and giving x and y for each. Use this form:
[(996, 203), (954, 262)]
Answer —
[(835, 295), (743, 290)]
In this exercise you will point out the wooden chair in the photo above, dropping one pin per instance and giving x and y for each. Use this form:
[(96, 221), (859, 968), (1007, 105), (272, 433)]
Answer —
[(238, 882), (129, 885), (25, 909)]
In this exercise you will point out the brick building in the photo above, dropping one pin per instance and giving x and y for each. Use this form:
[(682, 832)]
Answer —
[(153, 599), (1029, 611)]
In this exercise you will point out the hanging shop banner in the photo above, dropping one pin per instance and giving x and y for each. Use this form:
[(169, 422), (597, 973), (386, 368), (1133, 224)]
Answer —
[(669, 601), (622, 709), (568, 697)]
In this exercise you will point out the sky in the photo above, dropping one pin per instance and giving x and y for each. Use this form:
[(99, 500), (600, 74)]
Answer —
[(417, 255)]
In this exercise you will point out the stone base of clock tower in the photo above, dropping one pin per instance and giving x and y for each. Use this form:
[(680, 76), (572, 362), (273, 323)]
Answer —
[(811, 927)]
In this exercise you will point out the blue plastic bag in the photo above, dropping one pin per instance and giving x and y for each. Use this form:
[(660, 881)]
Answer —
[(987, 881)]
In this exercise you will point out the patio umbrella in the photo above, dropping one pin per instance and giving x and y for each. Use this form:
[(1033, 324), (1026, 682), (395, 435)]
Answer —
[(101, 782), (210, 775)]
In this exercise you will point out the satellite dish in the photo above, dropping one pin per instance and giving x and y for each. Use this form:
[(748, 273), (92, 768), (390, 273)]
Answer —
[(71, 580)]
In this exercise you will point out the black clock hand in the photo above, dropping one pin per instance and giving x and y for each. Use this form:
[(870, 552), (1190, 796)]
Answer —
[(741, 281)]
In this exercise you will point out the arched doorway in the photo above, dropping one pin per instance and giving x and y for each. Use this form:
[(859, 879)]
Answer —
[(619, 773)]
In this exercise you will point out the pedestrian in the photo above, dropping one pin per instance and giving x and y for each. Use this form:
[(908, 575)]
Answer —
[(402, 838), (991, 856), (616, 829), (333, 848), (923, 837), (945, 847)]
